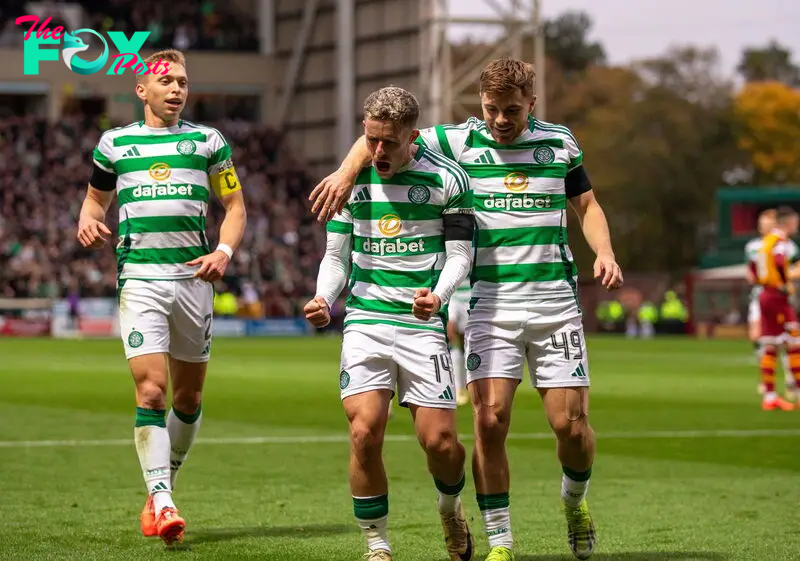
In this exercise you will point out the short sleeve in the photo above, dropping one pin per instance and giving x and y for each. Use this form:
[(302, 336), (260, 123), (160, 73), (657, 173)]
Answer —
[(342, 223), (102, 155), (446, 140), (221, 172), (458, 195), (574, 151)]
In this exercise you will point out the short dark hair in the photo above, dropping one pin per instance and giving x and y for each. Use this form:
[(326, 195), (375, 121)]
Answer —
[(784, 212)]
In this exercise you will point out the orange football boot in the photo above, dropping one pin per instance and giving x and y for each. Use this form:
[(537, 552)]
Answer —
[(777, 403), (148, 518), (170, 525)]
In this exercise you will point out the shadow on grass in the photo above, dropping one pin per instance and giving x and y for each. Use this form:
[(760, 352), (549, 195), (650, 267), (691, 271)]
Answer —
[(211, 535), (634, 556)]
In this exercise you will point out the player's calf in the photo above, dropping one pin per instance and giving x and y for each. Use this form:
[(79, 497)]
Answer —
[(445, 453), (771, 399), (491, 404), (793, 362), (491, 408), (185, 416), (436, 432), (367, 415), (568, 414), (151, 436)]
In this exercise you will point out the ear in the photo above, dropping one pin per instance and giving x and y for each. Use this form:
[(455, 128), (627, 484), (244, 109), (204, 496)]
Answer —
[(141, 90), (532, 105), (414, 135)]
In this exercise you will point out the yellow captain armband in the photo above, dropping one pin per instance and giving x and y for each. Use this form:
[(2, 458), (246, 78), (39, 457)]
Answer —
[(225, 182)]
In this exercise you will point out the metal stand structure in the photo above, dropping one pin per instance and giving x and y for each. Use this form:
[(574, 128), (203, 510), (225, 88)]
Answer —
[(440, 87), (446, 85)]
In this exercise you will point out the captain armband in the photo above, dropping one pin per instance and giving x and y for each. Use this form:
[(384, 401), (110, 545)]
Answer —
[(224, 180)]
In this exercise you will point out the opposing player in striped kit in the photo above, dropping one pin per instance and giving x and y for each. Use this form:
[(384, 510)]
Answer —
[(163, 171), (752, 250), (405, 239), (524, 294)]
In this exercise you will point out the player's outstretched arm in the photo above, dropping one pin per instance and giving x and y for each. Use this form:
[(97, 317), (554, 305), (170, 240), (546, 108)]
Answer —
[(458, 231), (92, 232), (595, 228), (214, 264), (333, 192), (333, 272)]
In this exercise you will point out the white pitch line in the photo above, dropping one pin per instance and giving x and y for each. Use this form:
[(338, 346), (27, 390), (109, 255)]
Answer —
[(343, 438)]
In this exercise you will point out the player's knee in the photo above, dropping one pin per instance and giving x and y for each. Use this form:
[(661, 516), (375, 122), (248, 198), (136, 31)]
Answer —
[(151, 394), (440, 443), (491, 421), (187, 402), (366, 438), (571, 430)]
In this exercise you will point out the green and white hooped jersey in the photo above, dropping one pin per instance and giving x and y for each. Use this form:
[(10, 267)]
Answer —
[(520, 203), (398, 242), (751, 252), (164, 180)]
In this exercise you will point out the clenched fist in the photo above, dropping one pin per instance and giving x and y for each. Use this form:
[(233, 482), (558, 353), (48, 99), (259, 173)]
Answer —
[(426, 303), (317, 312)]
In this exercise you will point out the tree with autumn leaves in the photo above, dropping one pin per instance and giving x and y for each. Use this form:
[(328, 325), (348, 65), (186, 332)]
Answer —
[(660, 136), (768, 130)]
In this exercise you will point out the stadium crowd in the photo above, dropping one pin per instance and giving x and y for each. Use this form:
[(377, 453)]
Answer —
[(44, 169), (181, 24)]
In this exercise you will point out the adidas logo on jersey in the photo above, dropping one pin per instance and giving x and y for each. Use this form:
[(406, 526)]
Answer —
[(133, 151), (485, 158), (579, 372), (155, 191), (447, 394), (363, 195)]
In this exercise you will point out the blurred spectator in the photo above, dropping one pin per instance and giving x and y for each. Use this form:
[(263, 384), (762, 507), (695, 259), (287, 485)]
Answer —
[(44, 171), (183, 24)]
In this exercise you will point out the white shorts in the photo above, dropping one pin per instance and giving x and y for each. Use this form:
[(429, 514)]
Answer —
[(753, 311), (167, 316), (498, 342), (458, 313), (382, 357)]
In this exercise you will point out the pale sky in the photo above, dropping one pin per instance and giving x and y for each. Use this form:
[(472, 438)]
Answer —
[(633, 29)]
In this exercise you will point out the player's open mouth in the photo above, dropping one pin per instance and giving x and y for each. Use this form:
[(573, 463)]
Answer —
[(382, 166), (174, 103)]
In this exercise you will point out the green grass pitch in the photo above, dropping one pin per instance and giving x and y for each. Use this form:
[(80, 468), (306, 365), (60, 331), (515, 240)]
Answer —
[(688, 466)]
